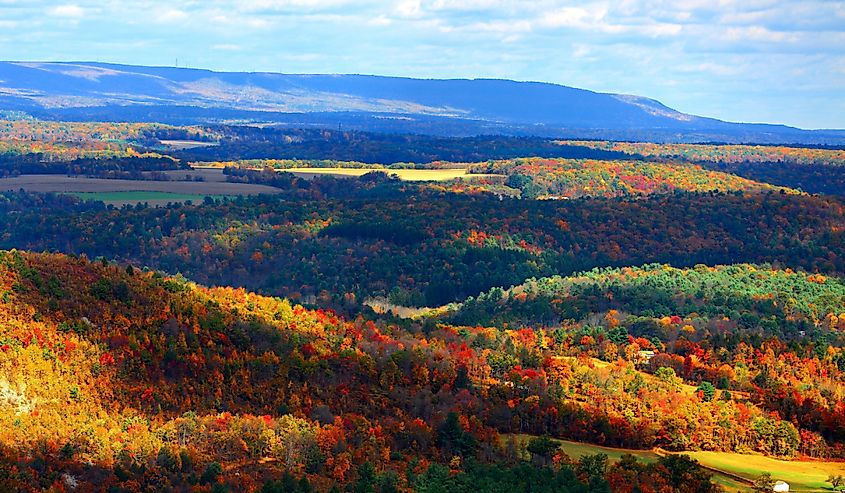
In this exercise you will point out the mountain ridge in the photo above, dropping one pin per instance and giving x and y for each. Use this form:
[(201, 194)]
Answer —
[(94, 90)]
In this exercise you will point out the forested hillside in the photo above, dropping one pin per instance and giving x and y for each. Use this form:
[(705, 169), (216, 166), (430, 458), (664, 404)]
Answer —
[(812, 169), (406, 313), (330, 401), (567, 178), (430, 248)]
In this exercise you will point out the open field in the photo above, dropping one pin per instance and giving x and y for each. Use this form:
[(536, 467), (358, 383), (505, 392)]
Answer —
[(212, 170), (403, 174), (801, 475), (735, 472), (194, 190), (179, 145), (151, 198), (381, 305), (205, 174)]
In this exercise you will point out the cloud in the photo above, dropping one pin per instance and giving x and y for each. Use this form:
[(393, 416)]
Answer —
[(734, 59), (577, 17), (171, 15), (68, 11), (380, 20), (408, 8), (757, 33)]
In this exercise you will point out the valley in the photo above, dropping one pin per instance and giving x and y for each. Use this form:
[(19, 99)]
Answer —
[(225, 318), (422, 246)]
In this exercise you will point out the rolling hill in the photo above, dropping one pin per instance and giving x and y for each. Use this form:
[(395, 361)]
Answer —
[(98, 91), (100, 392)]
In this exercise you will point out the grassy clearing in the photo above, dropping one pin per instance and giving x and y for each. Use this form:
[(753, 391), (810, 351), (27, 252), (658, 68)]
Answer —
[(157, 198), (727, 468), (403, 174), (576, 450), (801, 475), (179, 145), (382, 305)]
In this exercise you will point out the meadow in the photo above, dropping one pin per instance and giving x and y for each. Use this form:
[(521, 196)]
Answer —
[(150, 198), (802, 475), (733, 471), (402, 174), (120, 192)]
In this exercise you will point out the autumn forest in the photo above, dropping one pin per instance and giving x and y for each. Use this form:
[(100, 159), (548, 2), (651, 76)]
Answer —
[(227, 308)]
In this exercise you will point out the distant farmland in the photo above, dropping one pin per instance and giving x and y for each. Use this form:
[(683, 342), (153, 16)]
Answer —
[(151, 198), (180, 145), (120, 192), (403, 174)]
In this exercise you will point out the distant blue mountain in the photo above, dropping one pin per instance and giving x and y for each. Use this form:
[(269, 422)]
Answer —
[(99, 91)]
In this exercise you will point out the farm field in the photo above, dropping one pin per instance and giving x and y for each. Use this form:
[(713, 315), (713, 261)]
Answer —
[(803, 476), (151, 198), (174, 189), (403, 174), (576, 450), (203, 174), (179, 145)]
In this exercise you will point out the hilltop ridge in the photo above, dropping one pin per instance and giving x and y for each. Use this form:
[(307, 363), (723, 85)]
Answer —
[(112, 92)]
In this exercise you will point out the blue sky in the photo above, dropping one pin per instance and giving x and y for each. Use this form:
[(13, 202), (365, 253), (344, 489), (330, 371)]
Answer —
[(739, 60)]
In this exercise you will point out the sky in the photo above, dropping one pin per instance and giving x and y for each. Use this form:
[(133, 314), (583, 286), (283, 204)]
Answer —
[(737, 60)]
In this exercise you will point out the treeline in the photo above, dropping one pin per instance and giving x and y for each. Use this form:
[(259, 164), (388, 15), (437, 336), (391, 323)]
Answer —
[(247, 143), (760, 299), (438, 247), (138, 167), (818, 178), (575, 178), (811, 169)]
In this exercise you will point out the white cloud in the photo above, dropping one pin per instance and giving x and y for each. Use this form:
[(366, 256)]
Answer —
[(69, 11), (633, 46), (171, 15), (757, 33), (258, 5), (409, 8), (581, 51), (381, 20), (577, 17)]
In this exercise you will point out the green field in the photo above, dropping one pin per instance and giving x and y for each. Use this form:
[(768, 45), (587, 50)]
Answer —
[(801, 475), (576, 450), (136, 197)]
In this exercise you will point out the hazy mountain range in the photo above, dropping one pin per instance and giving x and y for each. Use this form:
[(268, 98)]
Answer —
[(99, 91)]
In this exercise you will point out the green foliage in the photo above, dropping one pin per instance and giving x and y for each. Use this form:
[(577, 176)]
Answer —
[(453, 438), (542, 446), (498, 479), (764, 483), (685, 474), (836, 481), (212, 471), (753, 292), (708, 391), (575, 178)]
